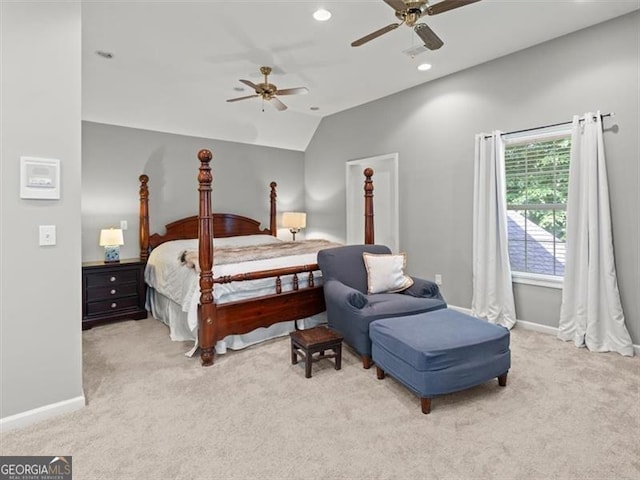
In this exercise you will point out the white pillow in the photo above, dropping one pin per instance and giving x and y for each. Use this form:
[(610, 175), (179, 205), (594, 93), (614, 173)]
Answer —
[(385, 272)]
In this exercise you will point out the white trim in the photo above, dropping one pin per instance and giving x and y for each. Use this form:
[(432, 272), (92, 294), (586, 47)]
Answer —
[(386, 168), (21, 420), (537, 279), (536, 327)]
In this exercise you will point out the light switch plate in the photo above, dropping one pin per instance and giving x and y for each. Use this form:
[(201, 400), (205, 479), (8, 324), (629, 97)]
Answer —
[(47, 235)]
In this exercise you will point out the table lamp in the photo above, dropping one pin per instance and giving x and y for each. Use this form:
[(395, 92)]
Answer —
[(294, 221), (111, 239)]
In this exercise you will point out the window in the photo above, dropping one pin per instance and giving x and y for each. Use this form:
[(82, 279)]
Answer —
[(537, 179)]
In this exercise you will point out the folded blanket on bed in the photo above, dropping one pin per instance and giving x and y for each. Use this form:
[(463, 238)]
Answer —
[(222, 256)]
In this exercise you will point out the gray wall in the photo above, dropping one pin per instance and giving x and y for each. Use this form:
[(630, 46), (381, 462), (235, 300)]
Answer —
[(114, 157), (41, 348), (432, 126)]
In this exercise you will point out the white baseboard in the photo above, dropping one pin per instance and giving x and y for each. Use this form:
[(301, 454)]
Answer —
[(21, 420), (536, 327)]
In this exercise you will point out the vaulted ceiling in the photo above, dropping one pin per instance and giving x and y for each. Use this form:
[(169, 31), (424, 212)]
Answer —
[(175, 63)]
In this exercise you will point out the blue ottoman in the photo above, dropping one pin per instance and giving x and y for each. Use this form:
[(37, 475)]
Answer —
[(440, 352)]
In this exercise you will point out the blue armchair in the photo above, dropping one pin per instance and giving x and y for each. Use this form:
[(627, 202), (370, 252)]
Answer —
[(350, 309)]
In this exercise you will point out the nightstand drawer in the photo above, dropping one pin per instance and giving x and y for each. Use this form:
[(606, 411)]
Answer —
[(111, 291), (112, 306), (99, 279)]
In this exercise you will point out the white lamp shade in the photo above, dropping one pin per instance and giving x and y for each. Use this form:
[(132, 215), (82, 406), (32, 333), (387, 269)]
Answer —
[(294, 220), (110, 237)]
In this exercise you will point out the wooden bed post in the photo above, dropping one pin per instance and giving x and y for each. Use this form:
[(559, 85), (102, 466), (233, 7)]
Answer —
[(207, 309), (368, 207), (143, 213), (273, 226)]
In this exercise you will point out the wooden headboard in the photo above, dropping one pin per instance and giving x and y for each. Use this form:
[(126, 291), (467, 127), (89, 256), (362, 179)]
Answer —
[(224, 224)]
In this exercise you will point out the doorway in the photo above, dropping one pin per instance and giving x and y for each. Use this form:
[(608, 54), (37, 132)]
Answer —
[(385, 200)]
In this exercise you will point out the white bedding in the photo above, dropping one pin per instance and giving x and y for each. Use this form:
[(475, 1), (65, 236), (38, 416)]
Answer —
[(166, 275)]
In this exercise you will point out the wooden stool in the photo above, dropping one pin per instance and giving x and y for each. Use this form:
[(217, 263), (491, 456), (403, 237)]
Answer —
[(318, 339)]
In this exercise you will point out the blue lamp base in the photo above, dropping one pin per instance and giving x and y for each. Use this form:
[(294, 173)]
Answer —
[(112, 254)]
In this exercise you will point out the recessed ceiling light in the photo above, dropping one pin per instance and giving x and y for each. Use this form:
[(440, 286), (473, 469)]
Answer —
[(103, 54), (239, 89), (423, 67), (314, 108), (322, 15)]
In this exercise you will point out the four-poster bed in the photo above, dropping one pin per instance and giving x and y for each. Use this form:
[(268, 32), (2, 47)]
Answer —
[(295, 291)]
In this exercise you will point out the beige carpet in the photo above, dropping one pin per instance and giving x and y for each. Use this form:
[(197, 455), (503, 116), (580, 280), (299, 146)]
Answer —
[(153, 413)]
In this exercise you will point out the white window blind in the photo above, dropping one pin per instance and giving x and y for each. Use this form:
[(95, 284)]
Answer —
[(537, 178)]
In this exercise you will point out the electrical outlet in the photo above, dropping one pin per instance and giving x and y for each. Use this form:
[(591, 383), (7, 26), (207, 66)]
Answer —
[(438, 279), (123, 224)]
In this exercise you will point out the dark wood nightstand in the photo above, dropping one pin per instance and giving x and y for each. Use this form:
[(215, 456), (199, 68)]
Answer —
[(112, 291)]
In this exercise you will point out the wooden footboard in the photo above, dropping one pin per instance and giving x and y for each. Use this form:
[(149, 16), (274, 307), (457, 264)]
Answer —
[(218, 321)]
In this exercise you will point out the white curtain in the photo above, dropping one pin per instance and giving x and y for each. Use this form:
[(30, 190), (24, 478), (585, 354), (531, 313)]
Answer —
[(492, 290), (591, 314)]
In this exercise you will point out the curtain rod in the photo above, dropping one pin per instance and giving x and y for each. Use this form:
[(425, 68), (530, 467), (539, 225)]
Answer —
[(548, 126)]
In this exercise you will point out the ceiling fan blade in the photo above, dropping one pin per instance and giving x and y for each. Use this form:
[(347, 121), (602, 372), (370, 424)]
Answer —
[(428, 36), (292, 91), (278, 104), (249, 83), (447, 5), (376, 34), (397, 5), (242, 98)]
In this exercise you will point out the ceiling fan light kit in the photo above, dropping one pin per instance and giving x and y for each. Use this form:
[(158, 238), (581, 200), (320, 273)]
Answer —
[(409, 13), (269, 91)]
